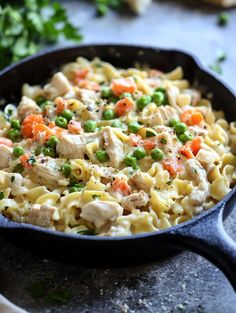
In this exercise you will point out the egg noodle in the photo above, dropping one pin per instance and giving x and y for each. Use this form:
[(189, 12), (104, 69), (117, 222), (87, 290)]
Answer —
[(105, 151)]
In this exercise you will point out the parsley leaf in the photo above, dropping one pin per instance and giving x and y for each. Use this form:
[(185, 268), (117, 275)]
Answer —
[(27, 25), (103, 6)]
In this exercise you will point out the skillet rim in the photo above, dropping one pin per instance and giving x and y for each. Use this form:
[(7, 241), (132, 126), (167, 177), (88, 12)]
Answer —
[(55, 233)]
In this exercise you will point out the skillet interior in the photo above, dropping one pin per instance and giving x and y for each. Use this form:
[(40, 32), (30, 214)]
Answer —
[(36, 70)]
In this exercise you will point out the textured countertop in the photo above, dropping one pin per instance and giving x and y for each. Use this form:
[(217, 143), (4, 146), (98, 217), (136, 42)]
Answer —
[(183, 283)]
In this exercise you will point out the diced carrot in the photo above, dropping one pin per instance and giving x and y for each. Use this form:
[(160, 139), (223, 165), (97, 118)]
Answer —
[(28, 124), (187, 151), (135, 140), (6, 142), (24, 161), (74, 127), (121, 85), (191, 148), (60, 104), (196, 145), (86, 84), (173, 166), (192, 117), (42, 128), (124, 106), (149, 144), (120, 184), (51, 124), (81, 74)]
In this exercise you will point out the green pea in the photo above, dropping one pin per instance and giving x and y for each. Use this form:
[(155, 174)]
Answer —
[(173, 122), (38, 151), (15, 124), (180, 128), (139, 153), (150, 133), (49, 152), (131, 161), (90, 126), (158, 98), (143, 101), (45, 104), (102, 156), (52, 142), (60, 121), (187, 136), (109, 114), (66, 169), (39, 100), (165, 100), (134, 127), (117, 124), (67, 114), (13, 134), (18, 151), (157, 154), (106, 92)]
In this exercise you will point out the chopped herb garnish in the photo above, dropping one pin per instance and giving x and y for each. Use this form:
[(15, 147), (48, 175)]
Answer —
[(223, 18), (96, 196), (32, 160), (163, 141), (18, 168), (89, 232), (1, 195), (12, 178)]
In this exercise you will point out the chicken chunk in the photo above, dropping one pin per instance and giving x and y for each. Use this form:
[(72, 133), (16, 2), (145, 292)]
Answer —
[(58, 86), (42, 215), (101, 212), (88, 97), (16, 182), (46, 171), (5, 156), (199, 178), (27, 106), (114, 147), (142, 181), (135, 200), (161, 117), (74, 146)]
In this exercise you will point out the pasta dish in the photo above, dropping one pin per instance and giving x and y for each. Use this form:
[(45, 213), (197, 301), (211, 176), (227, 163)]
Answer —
[(100, 150)]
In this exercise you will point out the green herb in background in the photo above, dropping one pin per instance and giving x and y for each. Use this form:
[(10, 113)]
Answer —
[(103, 6), (223, 18), (217, 65), (27, 25)]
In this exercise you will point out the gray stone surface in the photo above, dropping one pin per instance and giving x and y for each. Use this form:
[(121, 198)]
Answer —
[(183, 283)]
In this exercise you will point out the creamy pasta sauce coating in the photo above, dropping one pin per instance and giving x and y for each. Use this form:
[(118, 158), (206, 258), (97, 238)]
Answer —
[(105, 151)]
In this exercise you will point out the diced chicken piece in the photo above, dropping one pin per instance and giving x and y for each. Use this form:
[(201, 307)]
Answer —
[(41, 215), (17, 184), (142, 181), (195, 95), (138, 6), (161, 117), (32, 91), (207, 156), (135, 200), (5, 156), (27, 106), (198, 131), (199, 177), (58, 86), (114, 147), (74, 146), (101, 212), (46, 171), (88, 97)]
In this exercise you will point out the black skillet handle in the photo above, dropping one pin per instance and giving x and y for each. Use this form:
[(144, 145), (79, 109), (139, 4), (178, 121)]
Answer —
[(208, 238)]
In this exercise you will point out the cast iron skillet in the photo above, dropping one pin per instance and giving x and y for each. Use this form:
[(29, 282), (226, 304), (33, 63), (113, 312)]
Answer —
[(203, 234)]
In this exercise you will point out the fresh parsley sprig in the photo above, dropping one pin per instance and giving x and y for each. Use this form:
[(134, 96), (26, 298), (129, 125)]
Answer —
[(103, 6), (27, 25)]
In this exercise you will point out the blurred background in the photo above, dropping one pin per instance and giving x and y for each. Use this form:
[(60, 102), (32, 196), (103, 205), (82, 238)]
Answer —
[(185, 282)]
